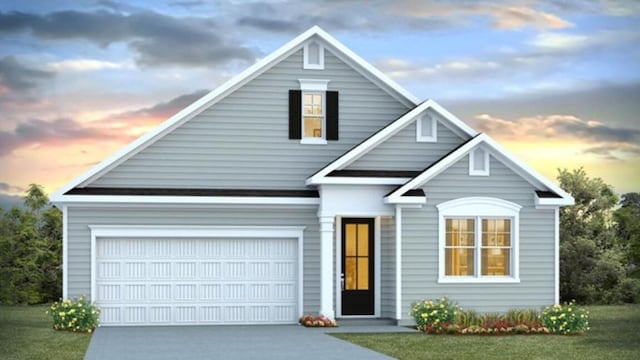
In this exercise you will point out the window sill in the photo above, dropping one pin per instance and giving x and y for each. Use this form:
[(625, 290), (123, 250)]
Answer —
[(313, 141), (481, 280)]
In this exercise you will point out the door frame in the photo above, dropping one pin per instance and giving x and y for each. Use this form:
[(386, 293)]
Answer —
[(376, 266)]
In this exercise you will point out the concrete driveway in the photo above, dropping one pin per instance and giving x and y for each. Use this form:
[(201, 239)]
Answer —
[(227, 342)]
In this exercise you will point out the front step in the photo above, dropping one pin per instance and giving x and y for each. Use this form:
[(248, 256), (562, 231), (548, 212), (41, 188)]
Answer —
[(366, 322)]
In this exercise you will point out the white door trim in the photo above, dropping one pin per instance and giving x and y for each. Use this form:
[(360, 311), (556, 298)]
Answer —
[(156, 231), (376, 269)]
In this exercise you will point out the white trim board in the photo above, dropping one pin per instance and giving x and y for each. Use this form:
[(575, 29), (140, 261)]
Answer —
[(178, 231), (495, 150), (361, 149), (230, 86)]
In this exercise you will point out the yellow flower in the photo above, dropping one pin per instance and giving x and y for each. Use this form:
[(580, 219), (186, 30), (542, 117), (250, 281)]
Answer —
[(61, 313), (89, 331), (441, 306)]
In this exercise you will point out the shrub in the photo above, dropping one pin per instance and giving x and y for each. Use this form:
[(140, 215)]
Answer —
[(565, 319), (630, 290), (316, 321), (522, 316), (78, 315), (468, 318), (434, 316)]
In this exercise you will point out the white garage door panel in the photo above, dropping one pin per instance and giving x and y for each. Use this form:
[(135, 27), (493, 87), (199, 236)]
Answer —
[(196, 281)]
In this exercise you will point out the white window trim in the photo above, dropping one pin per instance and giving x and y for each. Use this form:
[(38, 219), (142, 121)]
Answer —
[(420, 137), (314, 86), (474, 172), (477, 208), (306, 65)]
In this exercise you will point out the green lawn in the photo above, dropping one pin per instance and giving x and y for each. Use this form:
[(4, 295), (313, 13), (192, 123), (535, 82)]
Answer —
[(26, 333), (615, 334)]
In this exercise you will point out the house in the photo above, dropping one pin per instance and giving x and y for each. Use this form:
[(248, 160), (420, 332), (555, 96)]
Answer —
[(309, 183)]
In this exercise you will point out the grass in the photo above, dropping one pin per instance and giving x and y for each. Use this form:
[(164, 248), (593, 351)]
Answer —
[(26, 333), (614, 335)]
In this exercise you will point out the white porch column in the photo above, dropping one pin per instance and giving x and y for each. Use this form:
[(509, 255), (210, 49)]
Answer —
[(326, 266), (398, 263)]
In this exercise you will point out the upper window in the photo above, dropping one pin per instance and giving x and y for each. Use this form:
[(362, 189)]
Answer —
[(478, 240), (313, 112), (479, 162), (313, 56), (426, 129), (313, 115)]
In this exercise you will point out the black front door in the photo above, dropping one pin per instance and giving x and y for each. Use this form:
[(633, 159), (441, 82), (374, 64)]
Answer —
[(357, 267)]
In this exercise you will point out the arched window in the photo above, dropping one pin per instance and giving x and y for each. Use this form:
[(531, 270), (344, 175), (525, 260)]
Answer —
[(478, 240)]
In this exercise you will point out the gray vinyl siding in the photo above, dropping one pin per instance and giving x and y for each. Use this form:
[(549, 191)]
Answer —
[(242, 141), (79, 236), (403, 152), (420, 243), (387, 267)]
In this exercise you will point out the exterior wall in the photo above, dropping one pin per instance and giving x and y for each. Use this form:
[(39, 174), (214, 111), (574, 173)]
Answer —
[(420, 244), (403, 152), (242, 141), (387, 267), (79, 235)]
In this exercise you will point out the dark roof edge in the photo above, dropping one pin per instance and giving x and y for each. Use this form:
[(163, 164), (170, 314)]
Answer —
[(374, 173), (192, 192), (547, 194)]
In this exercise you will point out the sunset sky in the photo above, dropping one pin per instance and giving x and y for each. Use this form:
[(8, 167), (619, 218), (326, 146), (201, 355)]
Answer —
[(556, 82)]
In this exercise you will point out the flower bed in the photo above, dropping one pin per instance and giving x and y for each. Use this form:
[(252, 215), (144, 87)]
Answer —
[(76, 315), (444, 316), (317, 321)]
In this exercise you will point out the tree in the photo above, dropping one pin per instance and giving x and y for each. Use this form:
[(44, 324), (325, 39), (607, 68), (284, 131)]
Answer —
[(627, 219), (591, 258), (31, 251)]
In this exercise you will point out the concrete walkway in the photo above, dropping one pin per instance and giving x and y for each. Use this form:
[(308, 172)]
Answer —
[(266, 342)]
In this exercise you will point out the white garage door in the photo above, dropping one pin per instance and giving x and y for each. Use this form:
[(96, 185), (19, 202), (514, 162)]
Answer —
[(180, 281)]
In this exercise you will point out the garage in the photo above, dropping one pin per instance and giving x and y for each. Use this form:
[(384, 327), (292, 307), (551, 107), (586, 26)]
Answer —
[(153, 277)]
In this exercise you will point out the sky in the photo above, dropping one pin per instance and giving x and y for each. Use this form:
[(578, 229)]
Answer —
[(556, 82)]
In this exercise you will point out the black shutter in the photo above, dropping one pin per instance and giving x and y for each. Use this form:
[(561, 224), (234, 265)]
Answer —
[(295, 114), (332, 115)]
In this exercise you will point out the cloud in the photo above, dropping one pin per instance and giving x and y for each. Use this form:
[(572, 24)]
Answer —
[(120, 127), (37, 132), (187, 4), (615, 151), (603, 140), (18, 77), (518, 17), (156, 39), (8, 188), (403, 69), (86, 65)]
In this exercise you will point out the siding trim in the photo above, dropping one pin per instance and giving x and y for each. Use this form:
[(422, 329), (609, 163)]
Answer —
[(398, 262), (201, 231), (556, 255), (65, 252), (227, 88)]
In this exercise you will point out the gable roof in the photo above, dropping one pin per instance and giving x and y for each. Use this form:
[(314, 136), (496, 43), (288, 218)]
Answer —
[(519, 167), (322, 175), (340, 50)]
